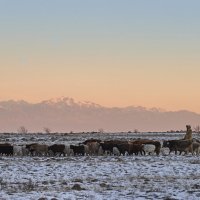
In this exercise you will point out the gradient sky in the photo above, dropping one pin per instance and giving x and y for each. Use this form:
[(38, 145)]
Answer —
[(111, 52)]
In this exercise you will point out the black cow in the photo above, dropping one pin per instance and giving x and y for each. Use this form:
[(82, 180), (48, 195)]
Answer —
[(78, 150), (57, 148), (110, 144), (179, 145), (6, 149)]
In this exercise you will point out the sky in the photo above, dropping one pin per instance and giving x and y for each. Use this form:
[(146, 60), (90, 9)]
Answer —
[(114, 53)]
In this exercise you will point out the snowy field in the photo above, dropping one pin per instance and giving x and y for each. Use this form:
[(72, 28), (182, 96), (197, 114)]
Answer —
[(100, 177)]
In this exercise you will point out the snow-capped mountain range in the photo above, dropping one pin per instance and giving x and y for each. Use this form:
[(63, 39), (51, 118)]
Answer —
[(65, 114)]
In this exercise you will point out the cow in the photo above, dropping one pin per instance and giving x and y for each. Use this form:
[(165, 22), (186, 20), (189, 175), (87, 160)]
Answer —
[(17, 150), (78, 150), (93, 148), (195, 140), (116, 151), (57, 149), (107, 146), (25, 151), (165, 151), (39, 149), (154, 142), (136, 149), (6, 149), (196, 148), (29, 149), (67, 150), (149, 148), (123, 147), (179, 145), (101, 152)]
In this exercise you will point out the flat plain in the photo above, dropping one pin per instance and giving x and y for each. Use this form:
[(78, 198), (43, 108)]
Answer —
[(97, 177)]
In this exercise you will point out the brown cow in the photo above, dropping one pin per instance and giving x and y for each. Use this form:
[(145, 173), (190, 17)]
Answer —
[(93, 148), (136, 149), (39, 149), (28, 147)]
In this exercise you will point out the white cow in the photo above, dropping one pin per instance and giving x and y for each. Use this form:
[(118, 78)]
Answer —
[(100, 151), (196, 148), (149, 148), (17, 150), (68, 151), (164, 151), (116, 151)]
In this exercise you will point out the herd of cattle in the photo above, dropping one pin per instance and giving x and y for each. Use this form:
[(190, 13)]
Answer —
[(99, 147)]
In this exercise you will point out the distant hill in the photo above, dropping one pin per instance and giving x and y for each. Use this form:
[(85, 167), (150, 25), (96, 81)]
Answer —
[(65, 114)]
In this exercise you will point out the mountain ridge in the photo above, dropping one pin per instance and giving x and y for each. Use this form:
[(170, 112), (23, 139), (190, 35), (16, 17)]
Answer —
[(65, 114)]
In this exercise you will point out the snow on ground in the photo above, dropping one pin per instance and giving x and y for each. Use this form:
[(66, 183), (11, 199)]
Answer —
[(124, 177), (99, 178)]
